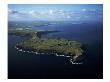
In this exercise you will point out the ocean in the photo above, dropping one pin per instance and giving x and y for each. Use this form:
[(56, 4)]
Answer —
[(31, 66)]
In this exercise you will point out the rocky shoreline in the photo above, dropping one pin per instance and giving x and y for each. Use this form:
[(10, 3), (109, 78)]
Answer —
[(54, 46), (72, 59)]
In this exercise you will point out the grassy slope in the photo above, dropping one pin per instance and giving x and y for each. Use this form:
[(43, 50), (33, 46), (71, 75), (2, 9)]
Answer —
[(61, 46)]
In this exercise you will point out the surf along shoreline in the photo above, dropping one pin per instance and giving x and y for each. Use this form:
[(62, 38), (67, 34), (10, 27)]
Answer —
[(37, 34), (72, 61)]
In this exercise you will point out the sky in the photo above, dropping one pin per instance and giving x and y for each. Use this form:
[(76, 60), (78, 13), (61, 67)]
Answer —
[(55, 12)]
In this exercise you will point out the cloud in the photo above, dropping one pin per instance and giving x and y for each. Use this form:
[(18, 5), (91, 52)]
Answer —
[(68, 16), (57, 14), (83, 9), (51, 12)]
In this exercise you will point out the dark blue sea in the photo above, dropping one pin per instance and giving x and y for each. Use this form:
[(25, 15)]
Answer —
[(31, 66)]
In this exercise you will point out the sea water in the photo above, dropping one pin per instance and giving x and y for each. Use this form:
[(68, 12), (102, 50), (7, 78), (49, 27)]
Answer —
[(30, 65)]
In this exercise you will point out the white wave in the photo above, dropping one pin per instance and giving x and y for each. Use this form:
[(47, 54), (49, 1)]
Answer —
[(20, 50), (75, 62), (71, 60), (23, 51), (67, 56)]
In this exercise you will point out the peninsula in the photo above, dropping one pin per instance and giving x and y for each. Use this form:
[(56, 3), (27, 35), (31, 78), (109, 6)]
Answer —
[(38, 44)]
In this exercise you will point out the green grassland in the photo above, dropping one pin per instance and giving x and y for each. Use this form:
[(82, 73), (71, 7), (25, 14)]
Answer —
[(47, 46)]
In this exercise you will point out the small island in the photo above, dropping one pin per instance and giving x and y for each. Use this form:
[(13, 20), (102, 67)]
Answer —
[(39, 45)]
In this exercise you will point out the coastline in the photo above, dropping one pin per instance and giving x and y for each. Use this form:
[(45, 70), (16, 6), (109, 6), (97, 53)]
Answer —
[(72, 61), (71, 49)]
